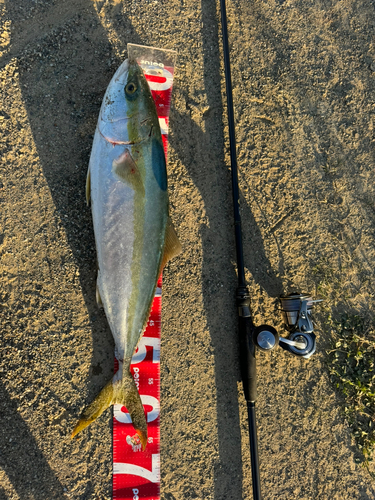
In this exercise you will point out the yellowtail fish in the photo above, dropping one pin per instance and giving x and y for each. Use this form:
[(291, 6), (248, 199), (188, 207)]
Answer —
[(127, 184)]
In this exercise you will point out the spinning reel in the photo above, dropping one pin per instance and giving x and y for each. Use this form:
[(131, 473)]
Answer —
[(296, 310)]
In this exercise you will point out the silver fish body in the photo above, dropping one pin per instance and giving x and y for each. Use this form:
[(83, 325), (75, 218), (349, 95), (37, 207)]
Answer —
[(127, 182), (129, 227)]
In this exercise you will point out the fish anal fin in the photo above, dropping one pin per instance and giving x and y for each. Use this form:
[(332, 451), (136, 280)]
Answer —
[(88, 186), (126, 170), (172, 246)]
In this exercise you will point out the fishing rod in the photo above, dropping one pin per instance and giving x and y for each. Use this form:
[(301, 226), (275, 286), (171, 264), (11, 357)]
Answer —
[(295, 307), (246, 325)]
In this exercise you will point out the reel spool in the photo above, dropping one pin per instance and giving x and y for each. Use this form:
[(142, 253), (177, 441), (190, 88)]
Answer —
[(296, 310)]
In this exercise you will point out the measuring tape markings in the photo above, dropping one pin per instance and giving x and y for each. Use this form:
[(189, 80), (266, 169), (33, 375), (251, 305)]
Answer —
[(136, 473)]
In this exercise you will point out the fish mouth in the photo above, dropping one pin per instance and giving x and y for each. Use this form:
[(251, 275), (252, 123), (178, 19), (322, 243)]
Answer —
[(121, 74)]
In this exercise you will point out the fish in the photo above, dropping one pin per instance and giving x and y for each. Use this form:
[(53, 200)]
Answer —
[(134, 236)]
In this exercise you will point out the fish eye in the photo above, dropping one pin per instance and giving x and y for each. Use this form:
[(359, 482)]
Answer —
[(131, 88)]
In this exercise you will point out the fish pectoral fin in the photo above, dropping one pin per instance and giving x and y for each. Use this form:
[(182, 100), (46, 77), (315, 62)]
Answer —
[(172, 246), (126, 170), (88, 186), (117, 391)]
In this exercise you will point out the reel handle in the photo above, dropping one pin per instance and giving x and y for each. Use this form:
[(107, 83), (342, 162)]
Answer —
[(302, 344)]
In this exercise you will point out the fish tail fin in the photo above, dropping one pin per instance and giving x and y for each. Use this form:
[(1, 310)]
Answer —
[(128, 396), (102, 401), (117, 391)]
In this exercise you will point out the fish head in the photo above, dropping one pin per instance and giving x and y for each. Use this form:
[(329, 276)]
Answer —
[(128, 112)]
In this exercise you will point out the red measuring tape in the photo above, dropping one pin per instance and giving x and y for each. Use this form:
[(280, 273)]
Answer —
[(136, 473)]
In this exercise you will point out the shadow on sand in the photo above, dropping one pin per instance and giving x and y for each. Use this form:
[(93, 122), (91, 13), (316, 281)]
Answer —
[(68, 82)]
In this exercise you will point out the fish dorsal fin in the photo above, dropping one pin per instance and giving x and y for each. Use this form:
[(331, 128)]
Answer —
[(172, 246), (88, 186), (126, 170)]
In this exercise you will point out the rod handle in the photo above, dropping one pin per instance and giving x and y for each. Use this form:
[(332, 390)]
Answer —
[(247, 358)]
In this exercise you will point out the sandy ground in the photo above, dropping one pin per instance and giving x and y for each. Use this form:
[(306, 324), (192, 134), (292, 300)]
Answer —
[(303, 77)]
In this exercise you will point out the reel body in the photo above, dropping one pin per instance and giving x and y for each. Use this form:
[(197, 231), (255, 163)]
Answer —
[(296, 310)]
